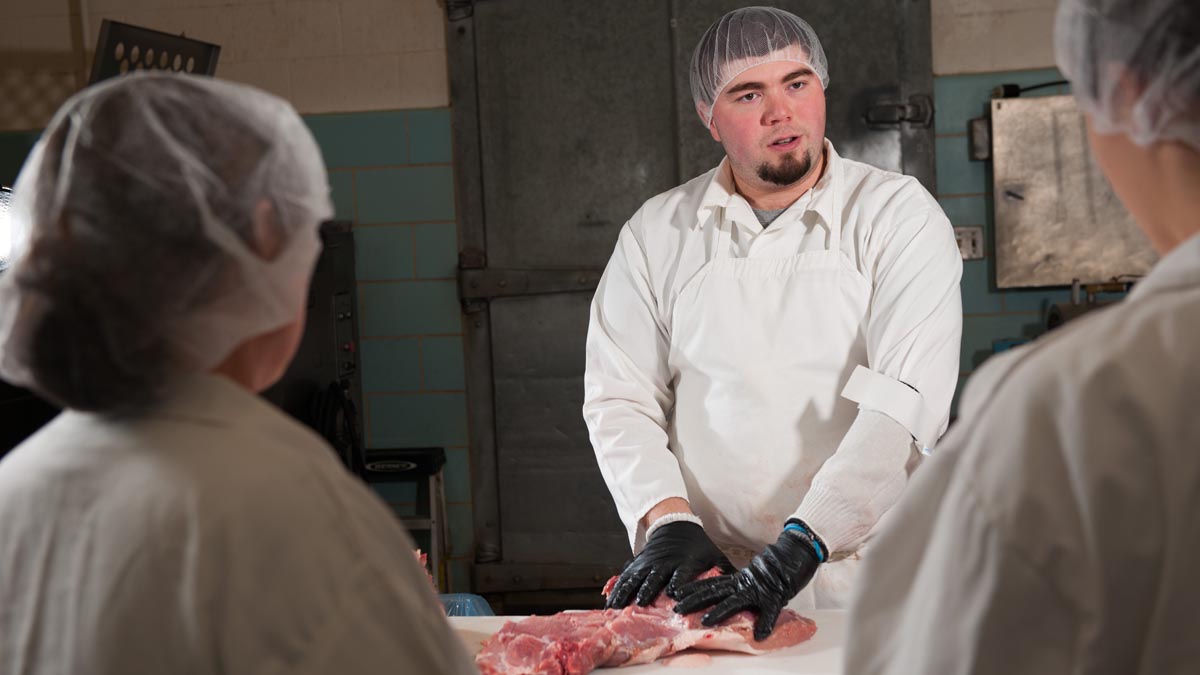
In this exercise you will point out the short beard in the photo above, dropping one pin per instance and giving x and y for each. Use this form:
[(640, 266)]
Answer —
[(789, 171)]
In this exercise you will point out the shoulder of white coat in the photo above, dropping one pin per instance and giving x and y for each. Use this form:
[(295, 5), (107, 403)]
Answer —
[(889, 192), (884, 208), (668, 215), (1089, 429)]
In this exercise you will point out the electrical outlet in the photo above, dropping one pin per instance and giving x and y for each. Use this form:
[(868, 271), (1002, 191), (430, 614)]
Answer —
[(970, 242)]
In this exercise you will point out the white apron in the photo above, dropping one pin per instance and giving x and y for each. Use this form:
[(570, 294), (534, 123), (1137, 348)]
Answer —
[(761, 349)]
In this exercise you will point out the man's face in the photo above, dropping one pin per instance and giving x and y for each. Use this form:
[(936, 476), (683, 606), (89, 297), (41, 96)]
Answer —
[(771, 122)]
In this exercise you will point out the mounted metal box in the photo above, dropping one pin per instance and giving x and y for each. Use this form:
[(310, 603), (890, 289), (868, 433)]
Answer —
[(1057, 219)]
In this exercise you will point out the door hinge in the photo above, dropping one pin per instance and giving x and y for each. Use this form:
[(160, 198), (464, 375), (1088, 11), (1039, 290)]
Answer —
[(476, 282), (484, 284)]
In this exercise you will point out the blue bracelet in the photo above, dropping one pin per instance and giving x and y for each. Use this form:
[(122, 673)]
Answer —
[(812, 538)]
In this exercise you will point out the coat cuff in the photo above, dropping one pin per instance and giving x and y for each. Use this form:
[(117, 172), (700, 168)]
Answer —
[(831, 519), (637, 531), (876, 391)]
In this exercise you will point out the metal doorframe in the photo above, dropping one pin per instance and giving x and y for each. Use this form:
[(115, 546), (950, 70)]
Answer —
[(477, 337), (917, 153)]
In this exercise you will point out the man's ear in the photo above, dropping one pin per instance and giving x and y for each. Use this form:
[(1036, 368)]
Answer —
[(268, 231), (1128, 91), (712, 126)]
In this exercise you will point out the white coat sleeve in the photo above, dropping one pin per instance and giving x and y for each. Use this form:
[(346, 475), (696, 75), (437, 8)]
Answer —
[(914, 330), (860, 482), (627, 391), (914, 325)]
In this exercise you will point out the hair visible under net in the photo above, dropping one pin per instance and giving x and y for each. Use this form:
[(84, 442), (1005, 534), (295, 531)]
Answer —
[(1134, 66), (137, 252), (749, 37)]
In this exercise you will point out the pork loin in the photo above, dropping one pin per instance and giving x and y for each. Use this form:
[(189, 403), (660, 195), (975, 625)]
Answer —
[(577, 642)]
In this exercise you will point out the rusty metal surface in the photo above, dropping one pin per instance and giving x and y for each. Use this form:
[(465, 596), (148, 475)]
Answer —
[(1057, 219)]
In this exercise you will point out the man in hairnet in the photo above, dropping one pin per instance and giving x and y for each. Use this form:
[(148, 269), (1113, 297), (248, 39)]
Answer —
[(1058, 528), (771, 345), (169, 520)]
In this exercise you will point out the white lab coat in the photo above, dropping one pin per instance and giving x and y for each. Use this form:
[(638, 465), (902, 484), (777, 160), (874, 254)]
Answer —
[(211, 535), (1057, 528), (724, 360)]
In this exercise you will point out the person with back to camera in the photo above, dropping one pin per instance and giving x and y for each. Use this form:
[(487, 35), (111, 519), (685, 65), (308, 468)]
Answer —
[(169, 520), (1057, 528)]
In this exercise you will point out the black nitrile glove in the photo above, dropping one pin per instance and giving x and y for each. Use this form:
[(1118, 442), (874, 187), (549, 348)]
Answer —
[(675, 554), (766, 585)]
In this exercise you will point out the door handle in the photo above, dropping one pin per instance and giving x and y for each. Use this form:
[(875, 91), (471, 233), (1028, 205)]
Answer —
[(918, 112)]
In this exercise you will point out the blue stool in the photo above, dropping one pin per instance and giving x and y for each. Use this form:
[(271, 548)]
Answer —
[(466, 604)]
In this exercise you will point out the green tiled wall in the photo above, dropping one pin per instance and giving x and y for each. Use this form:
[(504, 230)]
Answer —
[(406, 194), (417, 307), (390, 174), (417, 420), (965, 193), (384, 253), (391, 365)]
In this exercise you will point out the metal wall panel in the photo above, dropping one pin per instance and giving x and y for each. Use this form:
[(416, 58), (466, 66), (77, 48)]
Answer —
[(554, 505), (1057, 219), (575, 124)]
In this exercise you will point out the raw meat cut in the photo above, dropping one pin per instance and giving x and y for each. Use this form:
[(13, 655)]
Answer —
[(574, 643)]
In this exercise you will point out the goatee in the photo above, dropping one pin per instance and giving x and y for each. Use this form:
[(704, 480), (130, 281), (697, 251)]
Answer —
[(788, 171)]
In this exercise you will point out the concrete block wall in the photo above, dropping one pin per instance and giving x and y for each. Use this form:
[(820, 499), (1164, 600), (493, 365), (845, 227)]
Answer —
[(322, 55), (391, 175), (988, 36)]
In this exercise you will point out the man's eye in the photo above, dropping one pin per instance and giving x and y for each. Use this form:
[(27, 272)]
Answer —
[(798, 84), (748, 97)]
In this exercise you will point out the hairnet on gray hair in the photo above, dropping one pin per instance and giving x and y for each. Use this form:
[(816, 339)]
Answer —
[(160, 221), (749, 37), (1134, 66)]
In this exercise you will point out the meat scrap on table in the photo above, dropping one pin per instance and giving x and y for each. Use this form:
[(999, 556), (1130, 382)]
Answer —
[(574, 643)]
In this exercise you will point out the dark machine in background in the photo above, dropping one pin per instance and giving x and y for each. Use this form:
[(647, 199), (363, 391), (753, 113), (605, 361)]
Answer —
[(323, 385), (566, 117)]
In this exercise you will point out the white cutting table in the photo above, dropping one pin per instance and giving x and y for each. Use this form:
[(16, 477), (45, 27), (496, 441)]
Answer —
[(822, 655)]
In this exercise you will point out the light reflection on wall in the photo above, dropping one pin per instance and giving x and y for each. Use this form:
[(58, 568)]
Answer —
[(5, 236)]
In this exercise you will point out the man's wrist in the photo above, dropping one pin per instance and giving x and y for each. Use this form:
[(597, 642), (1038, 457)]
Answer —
[(665, 507), (672, 518), (802, 531)]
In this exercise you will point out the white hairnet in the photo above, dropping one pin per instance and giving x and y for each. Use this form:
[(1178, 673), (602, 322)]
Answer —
[(749, 37), (161, 220), (1134, 65)]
